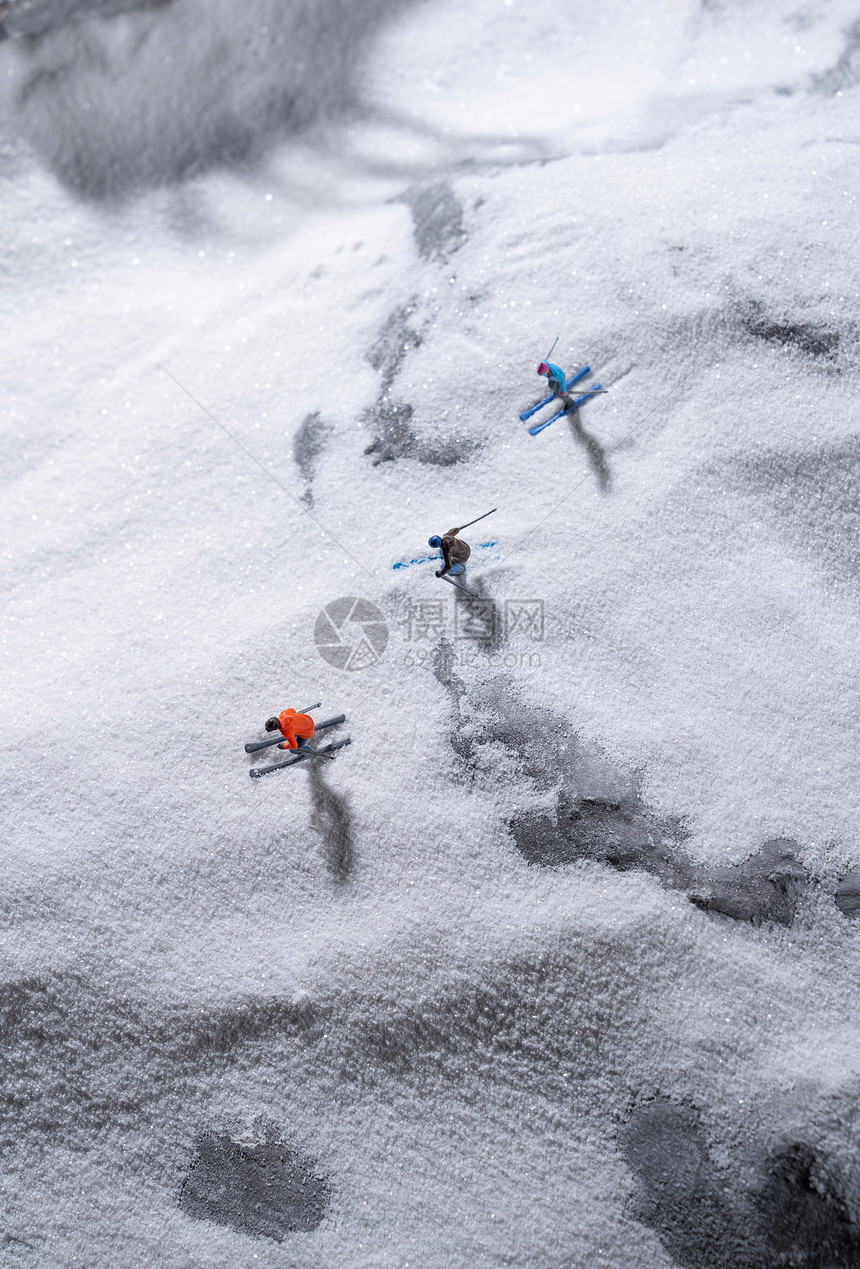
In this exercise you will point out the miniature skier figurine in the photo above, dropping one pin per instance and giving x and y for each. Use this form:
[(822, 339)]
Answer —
[(297, 729), (455, 552), (560, 389), (557, 382)]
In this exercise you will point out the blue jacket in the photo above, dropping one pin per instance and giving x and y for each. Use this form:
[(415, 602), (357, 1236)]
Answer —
[(556, 375)]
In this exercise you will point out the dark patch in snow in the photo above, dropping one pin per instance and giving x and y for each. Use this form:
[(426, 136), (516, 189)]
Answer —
[(308, 443), (765, 887), (27, 18), (512, 1013), (215, 1034), (17, 1001), (438, 219), (477, 616), (390, 420), (625, 835), (264, 1189), (332, 820), (666, 1147), (396, 338), (118, 104), (813, 340), (58, 1045), (603, 819), (398, 441), (443, 662), (805, 1219), (395, 438), (848, 896), (537, 736), (622, 834), (792, 1219), (845, 73)]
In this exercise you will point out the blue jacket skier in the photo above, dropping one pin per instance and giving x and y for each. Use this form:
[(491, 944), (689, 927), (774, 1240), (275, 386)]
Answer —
[(556, 380)]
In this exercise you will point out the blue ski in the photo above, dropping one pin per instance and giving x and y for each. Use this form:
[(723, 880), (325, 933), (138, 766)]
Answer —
[(580, 374), (539, 427), (256, 772), (277, 739), (426, 559)]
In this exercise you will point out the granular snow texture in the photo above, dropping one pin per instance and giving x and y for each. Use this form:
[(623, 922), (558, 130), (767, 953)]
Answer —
[(556, 964)]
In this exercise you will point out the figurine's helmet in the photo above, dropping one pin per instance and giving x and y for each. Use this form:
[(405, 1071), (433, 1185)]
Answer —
[(435, 541), (542, 368)]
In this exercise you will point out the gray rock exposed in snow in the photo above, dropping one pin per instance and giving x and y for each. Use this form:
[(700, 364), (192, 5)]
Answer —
[(615, 828), (792, 1214), (848, 896), (815, 341), (804, 1218), (263, 1189), (438, 217), (765, 887), (309, 442), (678, 1194), (391, 420), (625, 835)]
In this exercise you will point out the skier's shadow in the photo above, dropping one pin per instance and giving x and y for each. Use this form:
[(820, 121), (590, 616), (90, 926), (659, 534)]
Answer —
[(331, 819), (478, 617), (595, 451)]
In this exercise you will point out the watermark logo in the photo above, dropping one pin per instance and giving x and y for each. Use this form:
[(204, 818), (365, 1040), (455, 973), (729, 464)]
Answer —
[(524, 617), (350, 633), (480, 628), (479, 620)]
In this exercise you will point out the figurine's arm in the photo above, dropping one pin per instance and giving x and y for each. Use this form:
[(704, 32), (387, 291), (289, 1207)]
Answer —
[(446, 557)]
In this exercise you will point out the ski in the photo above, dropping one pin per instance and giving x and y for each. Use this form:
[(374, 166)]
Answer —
[(278, 738), (256, 772), (580, 374), (427, 559), (539, 427)]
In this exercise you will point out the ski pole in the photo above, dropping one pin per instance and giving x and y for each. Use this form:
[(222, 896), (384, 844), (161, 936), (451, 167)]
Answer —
[(307, 709), (475, 521), (464, 589), (549, 354)]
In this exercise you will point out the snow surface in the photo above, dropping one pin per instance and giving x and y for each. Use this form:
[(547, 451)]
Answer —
[(275, 281)]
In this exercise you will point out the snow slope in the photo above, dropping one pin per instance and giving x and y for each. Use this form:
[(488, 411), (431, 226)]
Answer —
[(555, 965)]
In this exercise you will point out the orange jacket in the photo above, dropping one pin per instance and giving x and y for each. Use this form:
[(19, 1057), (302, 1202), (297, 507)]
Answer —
[(293, 725)]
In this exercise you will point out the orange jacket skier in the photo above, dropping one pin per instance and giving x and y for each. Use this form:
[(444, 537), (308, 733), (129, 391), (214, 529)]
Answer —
[(297, 729)]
